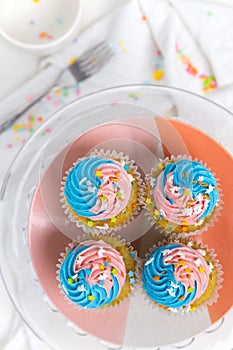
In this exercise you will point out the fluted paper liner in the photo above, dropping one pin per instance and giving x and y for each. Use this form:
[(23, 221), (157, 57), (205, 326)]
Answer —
[(122, 219), (169, 228), (128, 251), (217, 274)]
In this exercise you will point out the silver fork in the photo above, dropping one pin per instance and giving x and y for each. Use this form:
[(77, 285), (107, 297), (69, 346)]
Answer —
[(90, 62)]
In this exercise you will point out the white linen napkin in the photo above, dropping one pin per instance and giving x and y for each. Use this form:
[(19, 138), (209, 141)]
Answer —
[(196, 39)]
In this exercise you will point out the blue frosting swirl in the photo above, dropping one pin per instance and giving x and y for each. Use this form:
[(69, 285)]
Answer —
[(162, 290), (187, 174), (82, 185)]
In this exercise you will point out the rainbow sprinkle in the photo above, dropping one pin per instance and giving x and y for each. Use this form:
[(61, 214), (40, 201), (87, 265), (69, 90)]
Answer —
[(208, 81)]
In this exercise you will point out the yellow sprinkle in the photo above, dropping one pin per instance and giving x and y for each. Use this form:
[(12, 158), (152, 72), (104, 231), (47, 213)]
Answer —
[(114, 179), (192, 308), (187, 269), (91, 297), (98, 173), (72, 60), (201, 269), (101, 266), (16, 136), (184, 223), (181, 298), (148, 201), (160, 166), (57, 91), (182, 263), (121, 43), (158, 74)]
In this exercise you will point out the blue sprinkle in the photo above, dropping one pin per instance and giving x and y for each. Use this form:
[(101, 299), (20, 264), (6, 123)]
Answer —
[(132, 280), (171, 201), (132, 255), (88, 272), (106, 263), (126, 167), (101, 282), (130, 273)]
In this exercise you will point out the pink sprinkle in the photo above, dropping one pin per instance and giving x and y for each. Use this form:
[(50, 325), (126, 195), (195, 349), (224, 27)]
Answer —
[(48, 130), (24, 140), (114, 103), (56, 103), (78, 92), (10, 145), (29, 98), (49, 97)]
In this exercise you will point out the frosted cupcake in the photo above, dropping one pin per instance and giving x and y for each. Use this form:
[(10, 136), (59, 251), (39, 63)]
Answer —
[(97, 272), (182, 196), (102, 191), (181, 276)]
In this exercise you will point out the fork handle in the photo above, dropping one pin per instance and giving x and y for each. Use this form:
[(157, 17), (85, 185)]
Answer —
[(13, 106)]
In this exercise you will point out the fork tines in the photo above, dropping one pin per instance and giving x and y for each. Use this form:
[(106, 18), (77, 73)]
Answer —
[(91, 61)]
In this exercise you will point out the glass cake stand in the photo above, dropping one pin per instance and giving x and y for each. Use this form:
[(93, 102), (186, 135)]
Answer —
[(147, 123)]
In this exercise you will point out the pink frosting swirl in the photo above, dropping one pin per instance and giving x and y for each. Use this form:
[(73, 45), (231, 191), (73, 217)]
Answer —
[(102, 261), (182, 207), (190, 268), (114, 192)]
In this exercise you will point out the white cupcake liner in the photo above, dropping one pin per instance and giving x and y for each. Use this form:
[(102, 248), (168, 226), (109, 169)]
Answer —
[(214, 216), (218, 270), (124, 159), (114, 241)]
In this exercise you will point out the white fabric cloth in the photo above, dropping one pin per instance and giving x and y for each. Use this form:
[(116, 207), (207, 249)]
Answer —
[(177, 43)]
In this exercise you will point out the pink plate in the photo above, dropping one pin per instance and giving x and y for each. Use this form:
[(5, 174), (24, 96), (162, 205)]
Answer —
[(134, 322)]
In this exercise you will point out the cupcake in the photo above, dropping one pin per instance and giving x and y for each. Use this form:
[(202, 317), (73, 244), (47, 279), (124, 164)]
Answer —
[(181, 276), (182, 196), (102, 191), (97, 272)]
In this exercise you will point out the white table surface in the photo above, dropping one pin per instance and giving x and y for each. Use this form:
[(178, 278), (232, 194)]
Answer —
[(16, 66)]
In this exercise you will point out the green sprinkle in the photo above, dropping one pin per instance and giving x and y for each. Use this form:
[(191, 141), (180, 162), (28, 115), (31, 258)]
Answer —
[(103, 198), (90, 223), (114, 271), (70, 281), (186, 192), (113, 220), (190, 289)]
